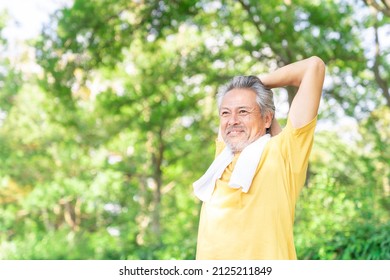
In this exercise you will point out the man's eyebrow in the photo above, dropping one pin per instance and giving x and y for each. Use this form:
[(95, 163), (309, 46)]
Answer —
[(239, 107)]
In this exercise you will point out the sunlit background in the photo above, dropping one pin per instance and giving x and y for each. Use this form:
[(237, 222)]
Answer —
[(107, 116)]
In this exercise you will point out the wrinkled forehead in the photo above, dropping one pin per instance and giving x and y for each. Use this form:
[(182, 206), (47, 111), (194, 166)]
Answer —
[(239, 98)]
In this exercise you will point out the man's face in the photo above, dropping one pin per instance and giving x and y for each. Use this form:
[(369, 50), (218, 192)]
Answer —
[(240, 119)]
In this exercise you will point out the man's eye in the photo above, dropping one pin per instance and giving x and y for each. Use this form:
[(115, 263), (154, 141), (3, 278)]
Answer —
[(243, 112), (224, 113)]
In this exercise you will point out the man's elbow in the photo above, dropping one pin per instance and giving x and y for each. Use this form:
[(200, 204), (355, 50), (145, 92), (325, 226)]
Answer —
[(318, 63)]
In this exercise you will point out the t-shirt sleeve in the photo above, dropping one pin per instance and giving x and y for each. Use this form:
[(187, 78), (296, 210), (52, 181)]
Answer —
[(296, 145)]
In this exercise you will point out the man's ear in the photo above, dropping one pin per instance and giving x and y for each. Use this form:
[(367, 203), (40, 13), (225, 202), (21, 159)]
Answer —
[(268, 119)]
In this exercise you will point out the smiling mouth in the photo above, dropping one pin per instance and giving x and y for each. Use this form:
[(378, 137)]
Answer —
[(235, 132)]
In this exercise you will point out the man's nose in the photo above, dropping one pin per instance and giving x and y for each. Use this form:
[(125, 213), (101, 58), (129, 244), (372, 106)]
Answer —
[(234, 119)]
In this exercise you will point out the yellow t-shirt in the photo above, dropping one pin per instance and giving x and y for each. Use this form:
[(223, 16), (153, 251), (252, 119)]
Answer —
[(258, 224)]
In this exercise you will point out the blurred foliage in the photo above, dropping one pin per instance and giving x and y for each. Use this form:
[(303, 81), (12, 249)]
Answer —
[(100, 145)]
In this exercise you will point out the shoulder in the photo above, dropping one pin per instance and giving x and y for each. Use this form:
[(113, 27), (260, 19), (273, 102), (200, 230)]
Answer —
[(292, 138), (307, 128), (219, 146)]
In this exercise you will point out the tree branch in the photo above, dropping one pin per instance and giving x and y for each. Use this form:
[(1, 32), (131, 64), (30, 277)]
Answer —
[(384, 7)]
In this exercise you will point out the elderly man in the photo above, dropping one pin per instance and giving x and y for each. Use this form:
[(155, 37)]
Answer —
[(250, 190)]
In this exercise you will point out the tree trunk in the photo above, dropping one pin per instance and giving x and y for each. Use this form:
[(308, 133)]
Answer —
[(382, 83), (157, 177)]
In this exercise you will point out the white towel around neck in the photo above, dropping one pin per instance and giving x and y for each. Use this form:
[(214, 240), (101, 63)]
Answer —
[(242, 174)]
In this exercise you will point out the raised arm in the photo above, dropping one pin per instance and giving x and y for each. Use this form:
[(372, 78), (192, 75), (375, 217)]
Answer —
[(308, 75)]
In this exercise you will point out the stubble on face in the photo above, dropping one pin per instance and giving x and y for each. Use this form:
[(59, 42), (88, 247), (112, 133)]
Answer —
[(236, 138)]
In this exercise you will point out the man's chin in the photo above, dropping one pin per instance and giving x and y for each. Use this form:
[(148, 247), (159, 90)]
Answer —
[(236, 147)]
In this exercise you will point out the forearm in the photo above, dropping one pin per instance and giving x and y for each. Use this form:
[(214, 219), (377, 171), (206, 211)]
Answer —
[(292, 74), (308, 75)]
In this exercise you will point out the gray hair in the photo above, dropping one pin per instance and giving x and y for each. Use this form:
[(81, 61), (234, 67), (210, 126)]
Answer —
[(264, 96)]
